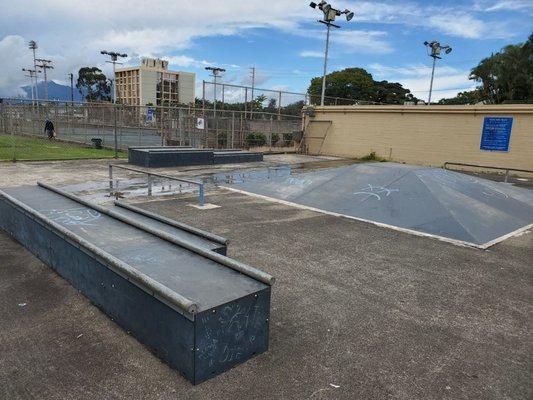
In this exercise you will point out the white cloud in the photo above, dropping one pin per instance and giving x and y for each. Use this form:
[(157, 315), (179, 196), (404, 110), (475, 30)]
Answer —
[(72, 32), (311, 54), (505, 5), (447, 83)]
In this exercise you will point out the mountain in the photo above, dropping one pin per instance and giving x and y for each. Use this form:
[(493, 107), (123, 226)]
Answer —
[(55, 91)]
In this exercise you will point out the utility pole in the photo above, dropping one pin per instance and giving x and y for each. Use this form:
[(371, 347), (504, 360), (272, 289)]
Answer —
[(434, 51), (330, 14), (71, 76), (114, 57), (45, 64), (32, 73), (33, 46), (252, 100)]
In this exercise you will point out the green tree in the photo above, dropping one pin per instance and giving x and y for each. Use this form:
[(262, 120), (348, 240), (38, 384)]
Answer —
[(93, 84), (466, 97), (507, 76), (357, 84)]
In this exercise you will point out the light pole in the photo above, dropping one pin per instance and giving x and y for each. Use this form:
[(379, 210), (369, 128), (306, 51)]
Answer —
[(71, 76), (434, 51), (32, 73), (33, 46), (215, 71), (330, 14), (45, 64), (114, 57)]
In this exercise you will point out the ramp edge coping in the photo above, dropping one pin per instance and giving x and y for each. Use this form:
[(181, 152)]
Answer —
[(171, 298)]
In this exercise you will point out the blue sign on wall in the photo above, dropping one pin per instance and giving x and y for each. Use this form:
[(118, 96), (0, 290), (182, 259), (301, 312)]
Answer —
[(496, 133), (150, 114)]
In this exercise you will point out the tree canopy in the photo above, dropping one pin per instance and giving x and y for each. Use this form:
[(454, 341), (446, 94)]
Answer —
[(505, 77), (93, 84), (356, 84)]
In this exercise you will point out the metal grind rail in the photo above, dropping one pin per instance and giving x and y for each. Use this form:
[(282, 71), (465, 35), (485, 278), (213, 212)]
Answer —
[(224, 260), (201, 189), (507, 170)]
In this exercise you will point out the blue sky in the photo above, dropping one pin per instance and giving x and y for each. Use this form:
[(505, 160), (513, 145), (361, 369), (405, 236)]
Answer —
[(281, 39)]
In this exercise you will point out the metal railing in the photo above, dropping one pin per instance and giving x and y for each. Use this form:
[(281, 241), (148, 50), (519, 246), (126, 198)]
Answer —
[(201, 189), (506, 169)]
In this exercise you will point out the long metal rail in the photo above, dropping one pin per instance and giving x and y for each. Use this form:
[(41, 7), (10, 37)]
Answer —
[(507, 170), (201, 190), (169, 297), (224, 260)]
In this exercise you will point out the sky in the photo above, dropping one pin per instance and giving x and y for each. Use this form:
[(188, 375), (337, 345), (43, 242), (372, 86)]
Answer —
[(281, 39)]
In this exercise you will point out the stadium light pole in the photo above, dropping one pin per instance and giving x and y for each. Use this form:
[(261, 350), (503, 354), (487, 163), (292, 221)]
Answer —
[(114, 57), (32, 44), (434, 50), (330, 14), (215, 71), (71, 77)]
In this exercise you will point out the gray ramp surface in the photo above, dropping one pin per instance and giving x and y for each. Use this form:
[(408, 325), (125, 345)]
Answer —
[(428, 200), (205, 282)]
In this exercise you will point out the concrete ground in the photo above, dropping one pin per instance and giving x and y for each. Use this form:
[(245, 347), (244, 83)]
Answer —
[(358, 312)]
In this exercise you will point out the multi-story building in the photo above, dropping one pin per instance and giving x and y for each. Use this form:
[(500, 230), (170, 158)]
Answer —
[(153, 83)]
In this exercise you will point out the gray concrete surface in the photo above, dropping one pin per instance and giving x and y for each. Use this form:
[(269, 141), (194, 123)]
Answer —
[(358, 312)]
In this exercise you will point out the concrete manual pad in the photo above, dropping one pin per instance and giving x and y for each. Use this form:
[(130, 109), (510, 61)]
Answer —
[(448, 205)]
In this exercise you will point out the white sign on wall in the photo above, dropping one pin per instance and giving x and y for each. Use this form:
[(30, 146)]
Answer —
[(200, 123)]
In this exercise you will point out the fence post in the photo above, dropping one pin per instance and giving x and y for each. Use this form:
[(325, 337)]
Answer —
[(270, 134), (232, 128), (279, 106), (115, 129)]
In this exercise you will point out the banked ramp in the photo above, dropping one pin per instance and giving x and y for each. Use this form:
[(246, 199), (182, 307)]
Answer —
[(169, 284)]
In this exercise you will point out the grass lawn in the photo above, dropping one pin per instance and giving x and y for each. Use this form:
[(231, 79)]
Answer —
[(26, 148)]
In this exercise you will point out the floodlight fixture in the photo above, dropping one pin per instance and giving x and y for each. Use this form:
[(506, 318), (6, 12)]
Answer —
[(114, 57), (434, 50), (330, 14)]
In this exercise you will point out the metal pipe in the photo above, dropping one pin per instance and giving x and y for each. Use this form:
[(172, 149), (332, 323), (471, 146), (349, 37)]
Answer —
[(149, 185), (149, 285), (201, 201), (485, 166), (176, 224), (325, 66), (110, 176), (226, 261), (431, 82)]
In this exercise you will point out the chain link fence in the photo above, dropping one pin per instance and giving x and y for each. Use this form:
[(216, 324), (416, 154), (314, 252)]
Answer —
[(93, 130)]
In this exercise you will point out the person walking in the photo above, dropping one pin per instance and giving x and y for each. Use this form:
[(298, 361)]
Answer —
[(49, 129)]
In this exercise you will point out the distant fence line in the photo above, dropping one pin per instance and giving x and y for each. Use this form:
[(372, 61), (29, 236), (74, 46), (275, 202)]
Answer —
[(230, 94), (122, 126)]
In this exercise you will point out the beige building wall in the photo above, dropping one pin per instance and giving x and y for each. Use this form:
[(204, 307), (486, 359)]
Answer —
[(424, 135), (139, 85)]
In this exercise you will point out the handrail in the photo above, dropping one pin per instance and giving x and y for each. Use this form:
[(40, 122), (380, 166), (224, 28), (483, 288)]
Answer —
[(506, 169), (201, 191)]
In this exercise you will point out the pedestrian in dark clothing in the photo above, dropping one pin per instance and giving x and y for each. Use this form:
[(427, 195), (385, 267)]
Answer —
[(49, 129)]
